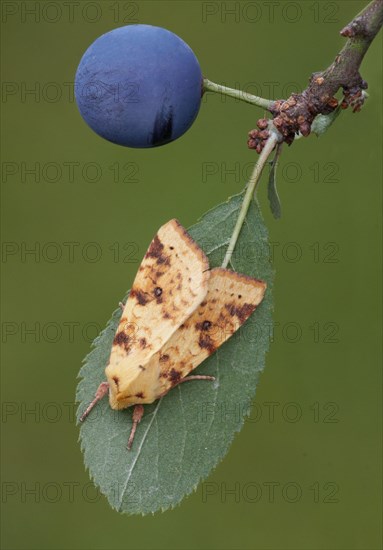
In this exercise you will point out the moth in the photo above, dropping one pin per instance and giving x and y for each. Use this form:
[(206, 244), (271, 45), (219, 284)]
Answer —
[(179, 311)]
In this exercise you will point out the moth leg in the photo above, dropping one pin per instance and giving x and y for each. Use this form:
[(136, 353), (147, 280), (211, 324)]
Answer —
[(102, 390), (122, 305), (138, 413)]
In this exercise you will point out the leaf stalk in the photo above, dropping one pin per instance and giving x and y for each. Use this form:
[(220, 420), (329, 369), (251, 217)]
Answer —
[(251, 187)]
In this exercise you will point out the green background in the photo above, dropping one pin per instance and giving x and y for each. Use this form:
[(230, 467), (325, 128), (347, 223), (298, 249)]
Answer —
[(323, 371)]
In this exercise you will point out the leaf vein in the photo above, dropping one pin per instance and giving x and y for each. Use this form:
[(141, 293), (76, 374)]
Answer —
[(138, 452)]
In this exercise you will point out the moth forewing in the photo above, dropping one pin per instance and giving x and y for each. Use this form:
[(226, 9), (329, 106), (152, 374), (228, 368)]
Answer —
[(230, 300), (177, 314), (170, 284)]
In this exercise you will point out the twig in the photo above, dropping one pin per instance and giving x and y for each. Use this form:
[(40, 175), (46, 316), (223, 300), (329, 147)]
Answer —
[(297, 113), (293, 117)]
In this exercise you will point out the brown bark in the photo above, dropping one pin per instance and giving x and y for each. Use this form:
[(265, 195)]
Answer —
[(297, 113)]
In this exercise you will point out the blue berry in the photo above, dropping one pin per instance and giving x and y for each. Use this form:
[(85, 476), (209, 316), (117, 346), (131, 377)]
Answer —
[(139, 86)]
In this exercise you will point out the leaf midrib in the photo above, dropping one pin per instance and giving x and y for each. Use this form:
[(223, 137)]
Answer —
[(154, 415)]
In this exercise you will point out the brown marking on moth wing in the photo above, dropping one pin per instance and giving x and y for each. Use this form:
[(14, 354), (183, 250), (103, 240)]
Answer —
[(155, 251), (222, 318), (116, 381), (141, 367), (214, 320), (143, 343), (158, 294), (153, 279), (206, 342), (123, 340), (180, 280), (174, 376), (166, 315), (203, 325), (242, 312), (140, 395), (140, 296), (163, 358), (159, 274)]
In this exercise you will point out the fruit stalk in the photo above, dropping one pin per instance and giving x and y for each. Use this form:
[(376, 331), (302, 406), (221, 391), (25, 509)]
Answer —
[(209, 86)]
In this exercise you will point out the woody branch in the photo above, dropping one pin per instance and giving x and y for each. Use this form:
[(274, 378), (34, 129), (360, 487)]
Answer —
[(297, 113)]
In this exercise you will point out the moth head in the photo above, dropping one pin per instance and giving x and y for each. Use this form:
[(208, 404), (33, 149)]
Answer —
[(131, 385)]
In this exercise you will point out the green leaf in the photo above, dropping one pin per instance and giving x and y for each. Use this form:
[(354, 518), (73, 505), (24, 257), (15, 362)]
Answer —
[(322, 123), (183, 436)]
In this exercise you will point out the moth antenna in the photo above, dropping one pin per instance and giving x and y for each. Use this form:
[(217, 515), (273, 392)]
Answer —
[(138, 413), (122, 305), (102, 390)]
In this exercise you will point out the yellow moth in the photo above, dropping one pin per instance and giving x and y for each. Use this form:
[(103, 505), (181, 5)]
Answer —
[(177, 314)]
